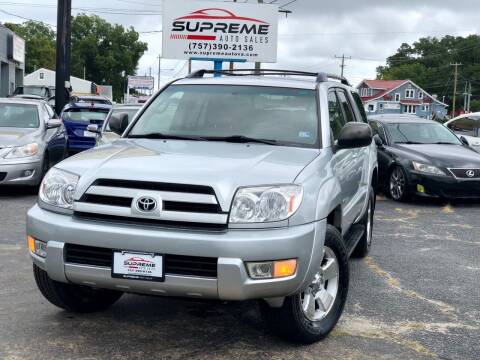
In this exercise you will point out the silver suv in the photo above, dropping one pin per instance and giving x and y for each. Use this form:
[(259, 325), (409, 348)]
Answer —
[(230, 187)]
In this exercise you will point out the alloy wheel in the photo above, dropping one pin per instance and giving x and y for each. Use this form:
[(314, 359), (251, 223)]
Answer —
[(317, 300), (397, 183)]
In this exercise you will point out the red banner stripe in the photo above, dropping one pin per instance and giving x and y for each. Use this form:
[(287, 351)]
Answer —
[(201, 37)]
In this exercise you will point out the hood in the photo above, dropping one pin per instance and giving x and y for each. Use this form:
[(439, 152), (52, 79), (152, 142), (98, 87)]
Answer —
[(443, 156), (223, 166), (16, 136)]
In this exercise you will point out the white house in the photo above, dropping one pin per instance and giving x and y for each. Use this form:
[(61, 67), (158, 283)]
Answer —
[(46, 77)]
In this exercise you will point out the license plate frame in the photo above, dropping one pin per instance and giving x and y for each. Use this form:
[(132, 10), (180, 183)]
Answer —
[(136, 265)]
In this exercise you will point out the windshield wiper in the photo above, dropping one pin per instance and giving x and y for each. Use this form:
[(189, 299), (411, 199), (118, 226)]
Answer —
[(158, 135), (242, 139), (444, 143)]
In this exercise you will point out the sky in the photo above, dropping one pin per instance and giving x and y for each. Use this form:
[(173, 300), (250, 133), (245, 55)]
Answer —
[(310, 37)]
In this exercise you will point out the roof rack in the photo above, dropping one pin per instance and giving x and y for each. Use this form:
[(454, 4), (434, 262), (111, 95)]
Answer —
[(319, 76)]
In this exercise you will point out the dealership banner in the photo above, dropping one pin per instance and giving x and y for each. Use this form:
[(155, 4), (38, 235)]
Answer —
[(220, 30), (141, 82)]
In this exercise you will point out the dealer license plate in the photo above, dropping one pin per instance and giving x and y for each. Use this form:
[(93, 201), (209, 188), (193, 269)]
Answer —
[(138, 266)]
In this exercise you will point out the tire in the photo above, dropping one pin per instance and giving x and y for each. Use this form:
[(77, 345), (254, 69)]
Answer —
[(365, 243), (397, 184), (74, 298), (291, 322)]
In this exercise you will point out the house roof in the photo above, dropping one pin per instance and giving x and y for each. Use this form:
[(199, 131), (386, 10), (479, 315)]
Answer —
[(387, 86)]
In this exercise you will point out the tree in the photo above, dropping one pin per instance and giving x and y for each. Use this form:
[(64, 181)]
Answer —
[(105, 51), (39, 44), (427, 63)]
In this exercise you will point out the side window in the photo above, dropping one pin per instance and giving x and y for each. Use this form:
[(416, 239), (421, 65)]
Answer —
[(377, 129), (335, 114), (464, 126), (347, 109), (361, 108)]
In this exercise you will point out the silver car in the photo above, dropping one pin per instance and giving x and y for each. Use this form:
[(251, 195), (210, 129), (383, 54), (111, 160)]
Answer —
[(32, 139), (231, 188), (105, 135), (468, 127)]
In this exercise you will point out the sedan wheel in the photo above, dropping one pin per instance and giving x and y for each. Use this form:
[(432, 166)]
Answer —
[(397, 184)]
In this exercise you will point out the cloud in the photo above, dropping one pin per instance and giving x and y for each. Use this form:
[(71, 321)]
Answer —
[(316, 31)]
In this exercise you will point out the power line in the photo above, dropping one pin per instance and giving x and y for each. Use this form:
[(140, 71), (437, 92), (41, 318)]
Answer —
[(342, 65)]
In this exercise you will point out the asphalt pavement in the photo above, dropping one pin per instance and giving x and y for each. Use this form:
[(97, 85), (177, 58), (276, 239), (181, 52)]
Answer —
[(417, 296)]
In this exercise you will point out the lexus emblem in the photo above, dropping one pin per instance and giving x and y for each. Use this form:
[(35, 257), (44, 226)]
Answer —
[(470, 173), (146, 204)]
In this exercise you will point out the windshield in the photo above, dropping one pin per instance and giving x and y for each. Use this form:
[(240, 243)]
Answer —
[(85, 115), (421, 133), (31, 90), (286, 116), (19, 116), (129, 111)]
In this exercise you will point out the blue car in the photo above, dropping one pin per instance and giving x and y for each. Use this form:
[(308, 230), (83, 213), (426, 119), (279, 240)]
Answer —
[(76, 117)]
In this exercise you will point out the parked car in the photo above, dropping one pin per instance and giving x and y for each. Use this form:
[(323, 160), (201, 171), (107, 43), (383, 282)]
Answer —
[(233, 187), (44, 92), (467, 126), (76, 117), (91, 99), (422, 157), (32, 139), (103, 134)]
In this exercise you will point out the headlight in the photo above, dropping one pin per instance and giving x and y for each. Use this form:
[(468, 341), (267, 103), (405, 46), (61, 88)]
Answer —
[(428, 169), (58, 188), (266, 203), (23, 151)]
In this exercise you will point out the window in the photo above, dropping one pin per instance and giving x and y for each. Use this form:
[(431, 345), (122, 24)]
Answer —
[(425, 107), (345, 102), (84, 115), (420, 95), (359, 103), (466, 126), (335, 115), (377, 129), (364, 91), (286, 115), (371, 107), (397, 97), (380, 106), (409, 94), (420, 133), (19, 116), (41, 76), (410, 109)]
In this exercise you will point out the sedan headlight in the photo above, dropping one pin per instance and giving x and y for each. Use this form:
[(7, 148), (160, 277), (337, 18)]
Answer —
[(427, 169), (58, 188), (266, 203), (22, 151)]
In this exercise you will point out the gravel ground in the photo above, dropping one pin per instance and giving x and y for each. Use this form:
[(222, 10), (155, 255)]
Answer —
[(416, 296)]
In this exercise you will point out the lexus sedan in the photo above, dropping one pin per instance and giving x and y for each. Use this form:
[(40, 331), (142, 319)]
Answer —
[(32, 139), (422, 157), (467, 126)]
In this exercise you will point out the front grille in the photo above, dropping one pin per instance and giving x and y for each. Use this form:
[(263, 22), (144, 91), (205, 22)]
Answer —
[(3, 175), (174, 264), (183, 206), (466, 173)]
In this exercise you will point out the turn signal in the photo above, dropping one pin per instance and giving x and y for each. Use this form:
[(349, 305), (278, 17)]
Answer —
[(284, 268), (31, 243)]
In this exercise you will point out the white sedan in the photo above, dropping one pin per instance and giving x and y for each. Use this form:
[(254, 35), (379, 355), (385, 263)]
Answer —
[(467, 126)]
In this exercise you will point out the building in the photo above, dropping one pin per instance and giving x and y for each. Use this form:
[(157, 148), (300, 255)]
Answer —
[(400, 97), (12, 61)]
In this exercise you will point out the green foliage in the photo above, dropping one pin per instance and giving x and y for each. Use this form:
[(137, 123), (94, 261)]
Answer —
[(105, 50), (475, 105), (39, 44), (427, 63)]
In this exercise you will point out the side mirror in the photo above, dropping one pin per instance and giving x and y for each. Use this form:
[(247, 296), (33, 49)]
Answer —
[(355, 135), (93, 128), (53, 123), (378, 141), (464, 141), (118, 123)]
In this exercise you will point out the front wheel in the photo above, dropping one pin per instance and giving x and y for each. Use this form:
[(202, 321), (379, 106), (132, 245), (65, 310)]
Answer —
[(398, 184), (311, 315), (74, 298)]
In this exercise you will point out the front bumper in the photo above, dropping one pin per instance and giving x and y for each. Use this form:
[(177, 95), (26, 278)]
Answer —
[(445, 186), (232, 248), (14, 173)]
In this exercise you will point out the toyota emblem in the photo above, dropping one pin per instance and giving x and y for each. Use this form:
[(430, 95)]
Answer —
[(146, 204), (470, 173)]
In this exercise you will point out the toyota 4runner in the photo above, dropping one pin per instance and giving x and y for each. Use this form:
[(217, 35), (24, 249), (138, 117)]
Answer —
[(231, 187)]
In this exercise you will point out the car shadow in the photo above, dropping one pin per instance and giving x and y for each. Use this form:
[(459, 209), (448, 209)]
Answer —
[(12, 191)]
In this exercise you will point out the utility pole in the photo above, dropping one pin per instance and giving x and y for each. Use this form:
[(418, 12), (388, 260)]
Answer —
[(455, 87), (469, 96), (231, 62), (465, 94), (342, 65), (258, 65), (62, 78), (159, 70)]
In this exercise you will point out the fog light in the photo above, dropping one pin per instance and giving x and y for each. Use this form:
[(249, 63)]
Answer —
[(272, 269), (37, 247), (28, 173), (263, 270), (420, 188)]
